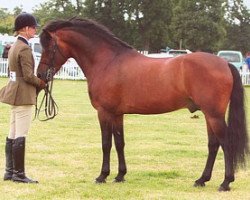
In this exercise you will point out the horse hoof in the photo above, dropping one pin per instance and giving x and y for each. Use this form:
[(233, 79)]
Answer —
[(224, 189), (198, 184), (100, 181), (119, 180)]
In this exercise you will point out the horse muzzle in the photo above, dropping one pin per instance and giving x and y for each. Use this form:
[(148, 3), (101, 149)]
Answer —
[(47, 76)]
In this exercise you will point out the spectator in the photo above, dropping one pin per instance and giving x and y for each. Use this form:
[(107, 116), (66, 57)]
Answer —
[(247, 60), (6, 51)]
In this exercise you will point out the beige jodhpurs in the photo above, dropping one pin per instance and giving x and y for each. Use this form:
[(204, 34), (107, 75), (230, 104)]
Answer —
[(20, 121)]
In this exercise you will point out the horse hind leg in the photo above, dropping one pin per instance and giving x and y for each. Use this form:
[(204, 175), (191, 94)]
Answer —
[(213, 146), (229, 169), (219, 128)]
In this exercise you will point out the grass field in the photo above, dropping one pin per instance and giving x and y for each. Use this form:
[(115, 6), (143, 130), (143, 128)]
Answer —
[(165, 154)]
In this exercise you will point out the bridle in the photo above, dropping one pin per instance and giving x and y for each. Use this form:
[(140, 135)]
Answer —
[(48, 76), (51, 108)]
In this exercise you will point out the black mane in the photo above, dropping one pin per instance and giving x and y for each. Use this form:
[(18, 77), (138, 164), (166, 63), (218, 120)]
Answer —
[(90, 28)]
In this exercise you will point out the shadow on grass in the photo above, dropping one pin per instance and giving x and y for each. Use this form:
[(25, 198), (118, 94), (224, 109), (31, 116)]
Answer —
[(158, 175)]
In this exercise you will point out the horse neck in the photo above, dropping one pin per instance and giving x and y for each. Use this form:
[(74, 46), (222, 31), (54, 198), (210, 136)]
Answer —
[(95, 59), (91, 55)]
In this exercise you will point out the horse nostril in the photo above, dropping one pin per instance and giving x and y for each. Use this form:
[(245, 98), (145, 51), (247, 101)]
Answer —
[(38, 75)]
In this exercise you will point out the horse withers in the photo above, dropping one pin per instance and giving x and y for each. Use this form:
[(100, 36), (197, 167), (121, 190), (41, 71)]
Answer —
[(122, 81)]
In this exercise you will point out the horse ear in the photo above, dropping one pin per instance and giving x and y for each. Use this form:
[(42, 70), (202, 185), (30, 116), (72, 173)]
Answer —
[(47, 33)]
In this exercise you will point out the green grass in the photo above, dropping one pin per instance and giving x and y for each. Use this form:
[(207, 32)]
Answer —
[(165, 154)]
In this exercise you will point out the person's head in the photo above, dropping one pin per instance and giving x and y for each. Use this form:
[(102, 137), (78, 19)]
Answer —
[(7, 46), (25, 25)]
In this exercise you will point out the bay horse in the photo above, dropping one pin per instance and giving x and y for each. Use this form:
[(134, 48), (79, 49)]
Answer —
[(122, 81)]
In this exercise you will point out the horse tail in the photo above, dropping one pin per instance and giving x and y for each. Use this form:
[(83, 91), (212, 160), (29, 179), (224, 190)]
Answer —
[(237, 135)]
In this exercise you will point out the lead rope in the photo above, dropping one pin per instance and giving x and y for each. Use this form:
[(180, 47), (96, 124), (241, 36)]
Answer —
[(51, 108)]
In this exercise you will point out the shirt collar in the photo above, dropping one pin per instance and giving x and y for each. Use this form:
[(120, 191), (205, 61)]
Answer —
[(23, 39)]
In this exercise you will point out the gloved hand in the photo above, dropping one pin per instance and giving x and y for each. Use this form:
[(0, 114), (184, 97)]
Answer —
[(42, 84)]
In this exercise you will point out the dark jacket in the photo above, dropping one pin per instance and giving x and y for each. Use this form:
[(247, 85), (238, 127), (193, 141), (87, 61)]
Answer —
[(5, 51)]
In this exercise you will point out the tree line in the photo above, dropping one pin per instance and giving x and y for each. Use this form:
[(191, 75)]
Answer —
[(198, 25)]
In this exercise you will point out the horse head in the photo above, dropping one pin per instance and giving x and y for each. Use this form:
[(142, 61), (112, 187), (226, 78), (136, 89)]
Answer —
[(54, 55)]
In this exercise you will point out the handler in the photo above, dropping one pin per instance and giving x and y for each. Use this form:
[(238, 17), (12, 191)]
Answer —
[(247, 60), (20, 93)]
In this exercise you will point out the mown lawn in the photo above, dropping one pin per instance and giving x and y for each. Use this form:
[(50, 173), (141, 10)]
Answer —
[(165, 154)]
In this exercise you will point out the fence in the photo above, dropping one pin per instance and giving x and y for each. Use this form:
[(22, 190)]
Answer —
[(72, 71), (3, 67)]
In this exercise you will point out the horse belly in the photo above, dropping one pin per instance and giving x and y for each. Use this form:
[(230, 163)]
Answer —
[(153, 90), (154, 103)]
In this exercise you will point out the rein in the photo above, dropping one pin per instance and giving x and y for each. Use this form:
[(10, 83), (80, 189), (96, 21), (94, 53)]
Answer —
[(51, 108)]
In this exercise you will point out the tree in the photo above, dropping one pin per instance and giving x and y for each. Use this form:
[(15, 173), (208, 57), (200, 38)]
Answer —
[(142, 23), (198, 25), (6, 23), (152, 19), (79, 5), (237, 26), (207, 25), (56, 9), (110, 13), (18, 10)]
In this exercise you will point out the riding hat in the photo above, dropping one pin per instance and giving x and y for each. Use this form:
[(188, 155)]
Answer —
[(25, 19)]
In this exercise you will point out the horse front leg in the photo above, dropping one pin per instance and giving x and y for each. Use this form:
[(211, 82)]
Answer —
[(106, 130), (119, 144)]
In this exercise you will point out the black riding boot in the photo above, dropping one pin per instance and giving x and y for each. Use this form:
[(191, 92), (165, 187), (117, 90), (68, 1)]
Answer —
[(18, 151), (9, 161)]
